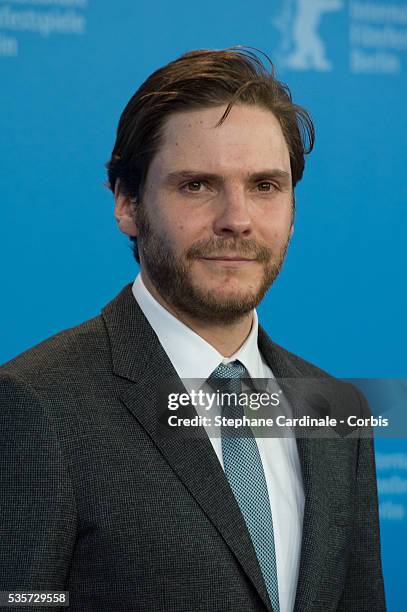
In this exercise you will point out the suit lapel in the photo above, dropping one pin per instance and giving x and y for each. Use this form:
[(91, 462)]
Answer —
[(314, 461), (142, 366)]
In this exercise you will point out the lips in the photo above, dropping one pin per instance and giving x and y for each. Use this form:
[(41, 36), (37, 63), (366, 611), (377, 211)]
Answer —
[(228, 262), (228, 258)]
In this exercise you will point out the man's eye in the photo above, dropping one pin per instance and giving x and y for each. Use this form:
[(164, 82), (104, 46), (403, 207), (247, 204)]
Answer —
[(193, 186), (265, 186)]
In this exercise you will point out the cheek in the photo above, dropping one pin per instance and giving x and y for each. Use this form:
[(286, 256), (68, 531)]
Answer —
[(177, 235), (186, 231), (277, 231), (177, 231)]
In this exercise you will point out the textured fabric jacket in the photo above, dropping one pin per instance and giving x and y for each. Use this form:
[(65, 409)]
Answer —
[(97, 501)]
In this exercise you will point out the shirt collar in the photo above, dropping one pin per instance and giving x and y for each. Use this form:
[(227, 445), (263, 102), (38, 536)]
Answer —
[(191, 355)]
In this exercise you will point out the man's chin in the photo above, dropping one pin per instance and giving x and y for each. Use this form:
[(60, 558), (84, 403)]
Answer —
[(227, 271), (228, 281), (233, 288), (226, 303), (206, 295)]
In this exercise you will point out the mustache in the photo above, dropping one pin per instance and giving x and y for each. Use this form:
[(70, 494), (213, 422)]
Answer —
[(220, 247)]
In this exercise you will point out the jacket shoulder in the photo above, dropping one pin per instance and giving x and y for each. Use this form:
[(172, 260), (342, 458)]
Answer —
[(306, 368), (81, 348)]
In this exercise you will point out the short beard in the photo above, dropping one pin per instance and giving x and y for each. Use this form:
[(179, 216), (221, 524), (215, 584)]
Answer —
[(171, 276)]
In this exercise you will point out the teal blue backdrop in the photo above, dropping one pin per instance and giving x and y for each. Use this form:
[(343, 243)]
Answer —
[(67, 69)]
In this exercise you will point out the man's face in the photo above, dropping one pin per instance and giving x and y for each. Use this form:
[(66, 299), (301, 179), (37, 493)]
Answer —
[(216, 215)]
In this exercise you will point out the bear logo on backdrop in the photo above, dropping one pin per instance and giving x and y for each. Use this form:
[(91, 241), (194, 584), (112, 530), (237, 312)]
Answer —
[(302, 47)]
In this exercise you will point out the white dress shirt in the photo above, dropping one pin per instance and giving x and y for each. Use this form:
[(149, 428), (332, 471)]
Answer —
[(194, 358)]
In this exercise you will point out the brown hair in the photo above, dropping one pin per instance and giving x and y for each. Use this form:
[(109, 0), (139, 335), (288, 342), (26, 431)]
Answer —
[(201, 79)]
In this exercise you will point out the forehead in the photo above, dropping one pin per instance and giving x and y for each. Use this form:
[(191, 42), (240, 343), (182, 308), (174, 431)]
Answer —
[(249, 137)]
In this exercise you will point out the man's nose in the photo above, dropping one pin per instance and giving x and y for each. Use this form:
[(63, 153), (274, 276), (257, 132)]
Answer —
[(233, 213)]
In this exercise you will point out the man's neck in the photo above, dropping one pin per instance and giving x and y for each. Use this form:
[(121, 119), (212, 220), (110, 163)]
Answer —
[(225, 338)]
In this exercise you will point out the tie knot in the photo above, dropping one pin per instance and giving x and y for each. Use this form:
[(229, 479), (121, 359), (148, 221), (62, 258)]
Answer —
[(235, 369), (227, 377)]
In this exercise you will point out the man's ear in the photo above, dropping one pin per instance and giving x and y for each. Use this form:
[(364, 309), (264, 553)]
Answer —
[(293, 216), (124, 212)]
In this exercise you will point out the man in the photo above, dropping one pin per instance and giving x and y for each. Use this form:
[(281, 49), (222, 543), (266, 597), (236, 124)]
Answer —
[(97, 500)]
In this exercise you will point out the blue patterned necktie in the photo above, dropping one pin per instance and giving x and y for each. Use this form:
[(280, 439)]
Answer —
[(244, 471)]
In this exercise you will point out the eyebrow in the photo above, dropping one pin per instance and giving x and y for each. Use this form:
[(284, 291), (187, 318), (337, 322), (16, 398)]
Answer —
[(180, 175)]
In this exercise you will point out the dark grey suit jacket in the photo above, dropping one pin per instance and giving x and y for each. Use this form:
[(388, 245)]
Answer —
[(96, 501)]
